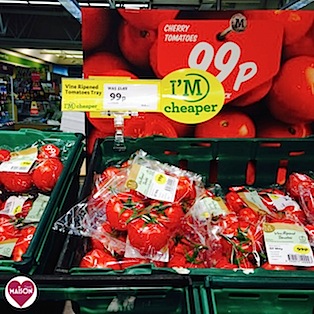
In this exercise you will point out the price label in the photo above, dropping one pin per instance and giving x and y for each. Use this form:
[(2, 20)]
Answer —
[(21, 161), (241, 61), (287, 244), (131, 96)]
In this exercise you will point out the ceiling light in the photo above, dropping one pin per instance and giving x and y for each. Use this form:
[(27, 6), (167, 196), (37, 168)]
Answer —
[(44, 2), (14, 1)]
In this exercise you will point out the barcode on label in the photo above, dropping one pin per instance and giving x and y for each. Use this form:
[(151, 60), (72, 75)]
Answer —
[(170, 184), (300, 258), (17, 168)]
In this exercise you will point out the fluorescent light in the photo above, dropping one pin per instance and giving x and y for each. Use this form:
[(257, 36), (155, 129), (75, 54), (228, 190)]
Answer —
[(96, 4), (14, 1), (44, 2)]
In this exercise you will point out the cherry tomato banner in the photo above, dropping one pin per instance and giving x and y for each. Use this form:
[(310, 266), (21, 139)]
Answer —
[(241, 61)]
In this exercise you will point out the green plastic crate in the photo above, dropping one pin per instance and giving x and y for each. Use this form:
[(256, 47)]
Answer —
[(226, 161), (260, 301), (41, 253), (106, 294)]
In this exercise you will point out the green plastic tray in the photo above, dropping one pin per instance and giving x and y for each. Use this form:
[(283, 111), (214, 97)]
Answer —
[(260, 301), (228, 162), (101, 295), (41, 252)]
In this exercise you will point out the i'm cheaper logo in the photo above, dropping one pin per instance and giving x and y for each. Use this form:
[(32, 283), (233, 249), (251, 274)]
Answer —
[(241, 61)]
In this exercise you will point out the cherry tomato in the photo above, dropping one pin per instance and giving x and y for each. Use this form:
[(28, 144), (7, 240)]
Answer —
[(297, 181), (121, 208), (16, 181), (248, 214), (99, 259), (147, 235), (47, 173)]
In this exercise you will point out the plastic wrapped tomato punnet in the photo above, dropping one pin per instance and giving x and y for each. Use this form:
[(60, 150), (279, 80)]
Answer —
[(135, 208), (28, 175)]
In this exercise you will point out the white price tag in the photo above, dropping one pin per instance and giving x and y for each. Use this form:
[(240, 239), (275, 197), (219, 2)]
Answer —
[(287, 244), (136, 97), (153, 184), (14, 205), (21, 161)]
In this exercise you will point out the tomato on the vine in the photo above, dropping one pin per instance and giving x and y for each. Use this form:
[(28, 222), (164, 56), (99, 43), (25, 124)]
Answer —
[(169, 214), (122, 208), (148, 236)]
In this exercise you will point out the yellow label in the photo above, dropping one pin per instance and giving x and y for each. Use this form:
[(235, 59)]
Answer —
[(191, 96), (82, 95), (301, 249), (17, 210), (160, 178), (115, 94)]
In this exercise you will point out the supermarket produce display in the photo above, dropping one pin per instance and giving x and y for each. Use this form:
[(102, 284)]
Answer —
[(186, 217)]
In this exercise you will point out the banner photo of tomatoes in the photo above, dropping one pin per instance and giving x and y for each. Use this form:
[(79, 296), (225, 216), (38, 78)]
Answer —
[(264, 60)]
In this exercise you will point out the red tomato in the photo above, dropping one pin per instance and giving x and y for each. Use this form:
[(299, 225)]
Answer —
[(291, 98), (130, 37), (47, 173), (249, 215), (16, 181), (147, 236), (121, 208), (234, 201), (227, 123), (95, 28), (272, 128), (278, 267), (169, 214), (185, 190), (4, 155), (186, 261), (22, 244), (297, 181), (295, 23), (99, 259)]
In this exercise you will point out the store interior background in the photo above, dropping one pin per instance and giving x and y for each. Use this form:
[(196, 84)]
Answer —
[(40, 42)]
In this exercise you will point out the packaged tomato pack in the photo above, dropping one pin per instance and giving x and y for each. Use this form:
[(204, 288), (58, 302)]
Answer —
[(135, 207), (28, 174)]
